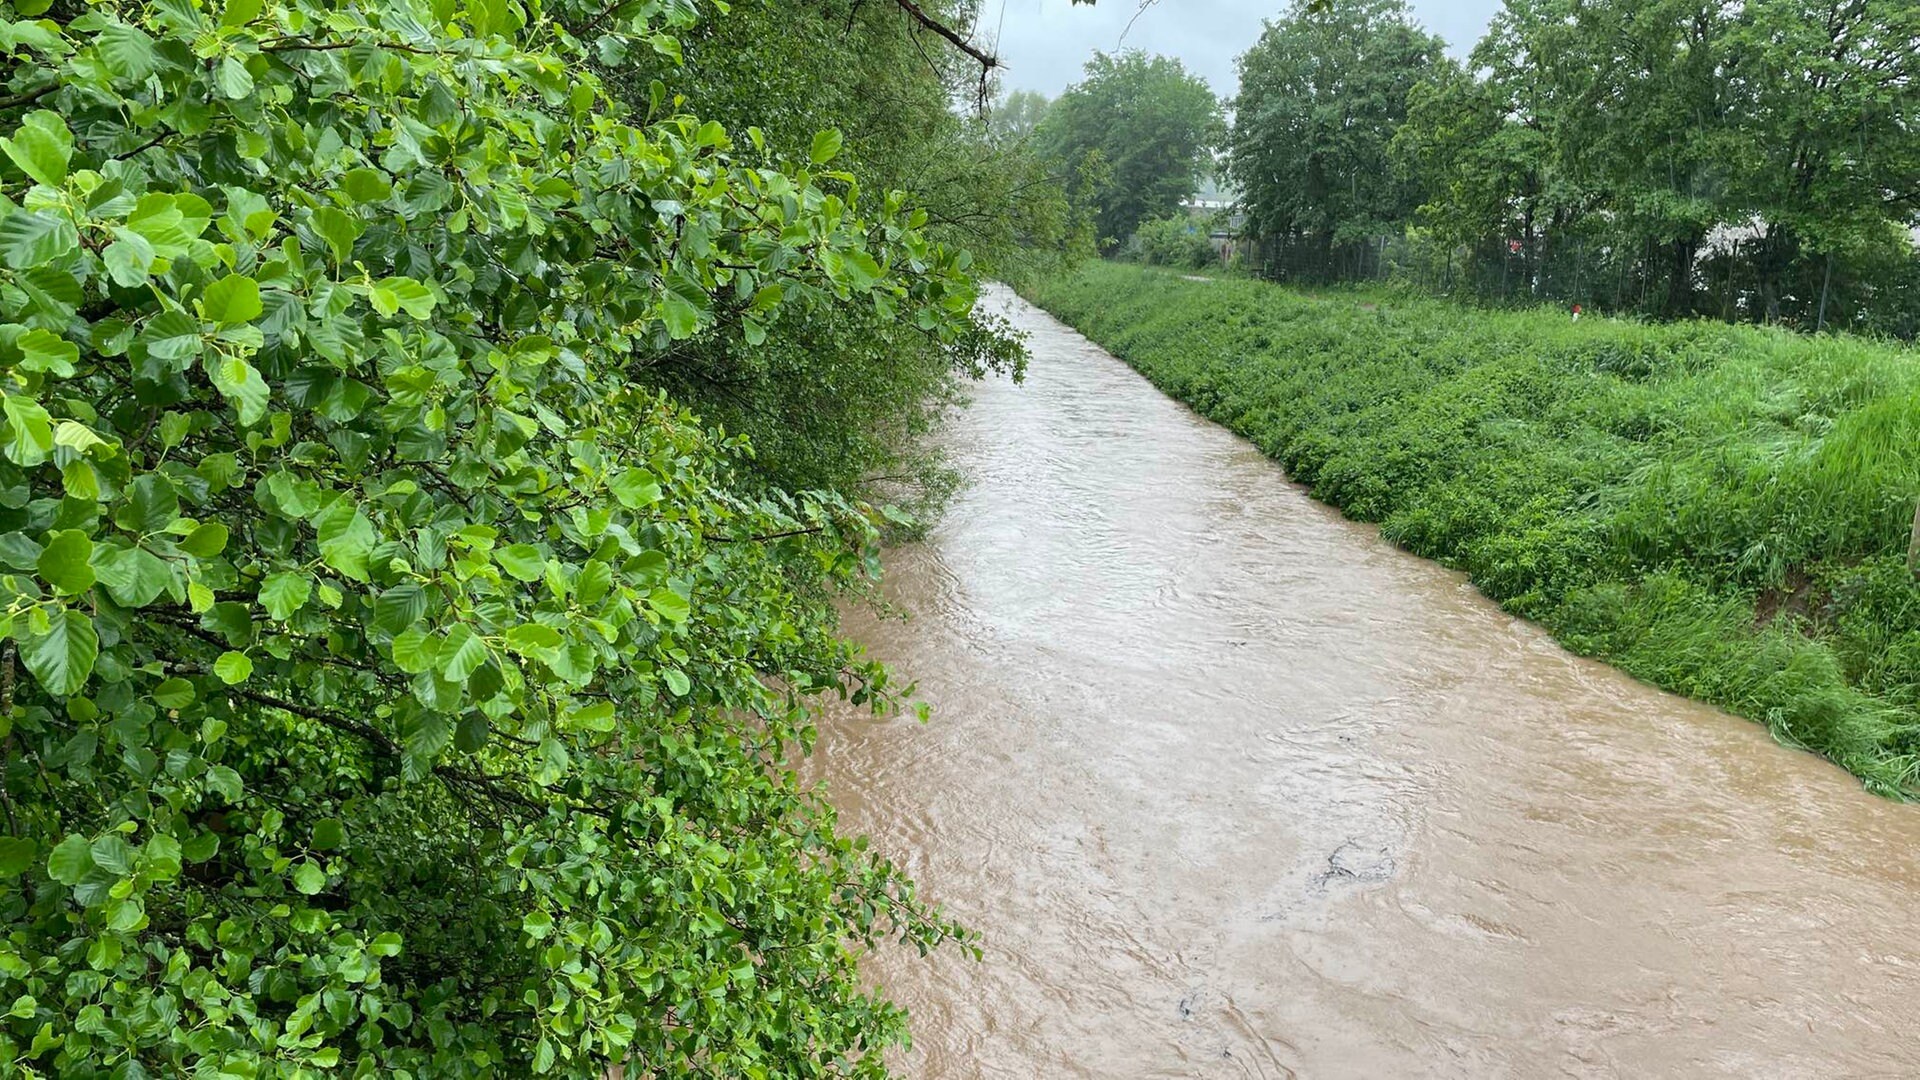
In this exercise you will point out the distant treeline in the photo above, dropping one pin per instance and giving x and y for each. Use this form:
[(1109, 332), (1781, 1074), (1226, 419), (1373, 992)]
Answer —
[(1753, 160)]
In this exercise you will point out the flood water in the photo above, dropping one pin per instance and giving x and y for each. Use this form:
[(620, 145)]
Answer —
[(1232, 788)]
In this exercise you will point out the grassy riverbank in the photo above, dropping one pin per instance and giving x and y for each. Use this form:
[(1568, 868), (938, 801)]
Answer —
[(1723, 511)]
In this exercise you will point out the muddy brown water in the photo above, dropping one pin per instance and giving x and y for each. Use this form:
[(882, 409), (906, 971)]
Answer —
[(1232, 788)]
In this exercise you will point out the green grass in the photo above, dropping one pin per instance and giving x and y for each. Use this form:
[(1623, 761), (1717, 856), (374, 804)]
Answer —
[(1722, 511)]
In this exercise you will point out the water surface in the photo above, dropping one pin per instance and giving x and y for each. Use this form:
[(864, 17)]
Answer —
[(1233, 788)]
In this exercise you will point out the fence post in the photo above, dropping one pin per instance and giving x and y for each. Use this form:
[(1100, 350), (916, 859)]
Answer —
[(1913, 543), (1821, 323)]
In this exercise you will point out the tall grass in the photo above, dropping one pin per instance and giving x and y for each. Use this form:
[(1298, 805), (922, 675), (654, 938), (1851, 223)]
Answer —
[(1723, 511)]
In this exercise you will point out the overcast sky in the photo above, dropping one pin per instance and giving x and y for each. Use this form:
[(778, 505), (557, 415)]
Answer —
[(1044, 42)]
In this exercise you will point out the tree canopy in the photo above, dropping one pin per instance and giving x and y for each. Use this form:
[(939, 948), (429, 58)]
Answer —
[(1321, 94), (1751, 159), (392, 685), (832, 395), (1143, 128)]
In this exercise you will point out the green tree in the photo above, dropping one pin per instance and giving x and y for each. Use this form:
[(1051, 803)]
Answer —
[(1680, 156), (1501, 156), (1825, 150), (1321, 94), (391, 686), (834, 395), (1144, 126), (1019, 114)]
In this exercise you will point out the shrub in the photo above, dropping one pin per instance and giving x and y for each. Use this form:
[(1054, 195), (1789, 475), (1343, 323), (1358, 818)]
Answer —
[(1177, 241), (389, 687)]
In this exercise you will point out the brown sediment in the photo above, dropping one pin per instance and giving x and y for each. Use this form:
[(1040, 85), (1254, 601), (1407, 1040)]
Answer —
[(1232, 788)]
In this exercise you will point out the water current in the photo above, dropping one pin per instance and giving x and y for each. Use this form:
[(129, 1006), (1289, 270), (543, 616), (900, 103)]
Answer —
[(1232, 788)]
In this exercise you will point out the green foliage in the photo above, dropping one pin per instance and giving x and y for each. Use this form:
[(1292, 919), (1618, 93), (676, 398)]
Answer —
[(1140, 129), (833, 395), (1179, 241), (1321, 94), (1752, 160), (1721, 510), (390, 685), (1018, 115)]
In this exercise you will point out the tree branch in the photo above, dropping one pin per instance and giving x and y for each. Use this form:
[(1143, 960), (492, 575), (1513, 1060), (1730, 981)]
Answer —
[(987, 60), (28, 97)]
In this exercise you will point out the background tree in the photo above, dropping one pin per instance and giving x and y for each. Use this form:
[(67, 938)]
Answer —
[(1681, 157), (1019, 114), (1321, 94), (1145, 126), (1825, 147)]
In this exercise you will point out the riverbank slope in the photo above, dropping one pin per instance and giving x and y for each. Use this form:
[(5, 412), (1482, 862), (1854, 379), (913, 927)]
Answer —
[(1722, 511)]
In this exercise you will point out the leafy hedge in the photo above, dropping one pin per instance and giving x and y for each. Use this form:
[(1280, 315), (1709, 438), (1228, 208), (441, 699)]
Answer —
[(1722, 511), (389, 688)]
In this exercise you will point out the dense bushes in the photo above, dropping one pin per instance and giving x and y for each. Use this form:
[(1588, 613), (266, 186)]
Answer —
[(1721, 510), (833, 396), (390, 687), (1177, 241)]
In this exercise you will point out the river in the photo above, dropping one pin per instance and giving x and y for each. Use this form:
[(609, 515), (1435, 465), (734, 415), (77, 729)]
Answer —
[(1231, 787)]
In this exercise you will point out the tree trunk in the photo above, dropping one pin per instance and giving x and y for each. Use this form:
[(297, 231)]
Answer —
[(1680, 285)]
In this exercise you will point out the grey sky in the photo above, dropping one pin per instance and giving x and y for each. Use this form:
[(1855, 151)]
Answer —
[(1044, 42)]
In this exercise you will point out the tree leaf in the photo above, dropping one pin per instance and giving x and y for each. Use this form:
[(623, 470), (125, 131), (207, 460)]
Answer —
[(233, 299), (66, 562), (346, 538), (463, 652), (152, 504), (233, 668), (826, 146), (29, 238), (676, 681), (522, 561), (415, 651), (339, 230), (113, 854), (129, 259), (635, 488), (41, 146), (309, 878), (395, 293), (133, 576), (366, 185), (17, 854), (427, 735), (173, 693), (29, 430), (70, 860), (329, 834), (173, 335), (680, 317), (285, 592), (44, 350), (127, 50), (207, 539), (669, 604), (233, 78)]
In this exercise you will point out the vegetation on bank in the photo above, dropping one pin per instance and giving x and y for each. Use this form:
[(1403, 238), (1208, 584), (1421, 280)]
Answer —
[(397, 678), (1723, 511)]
